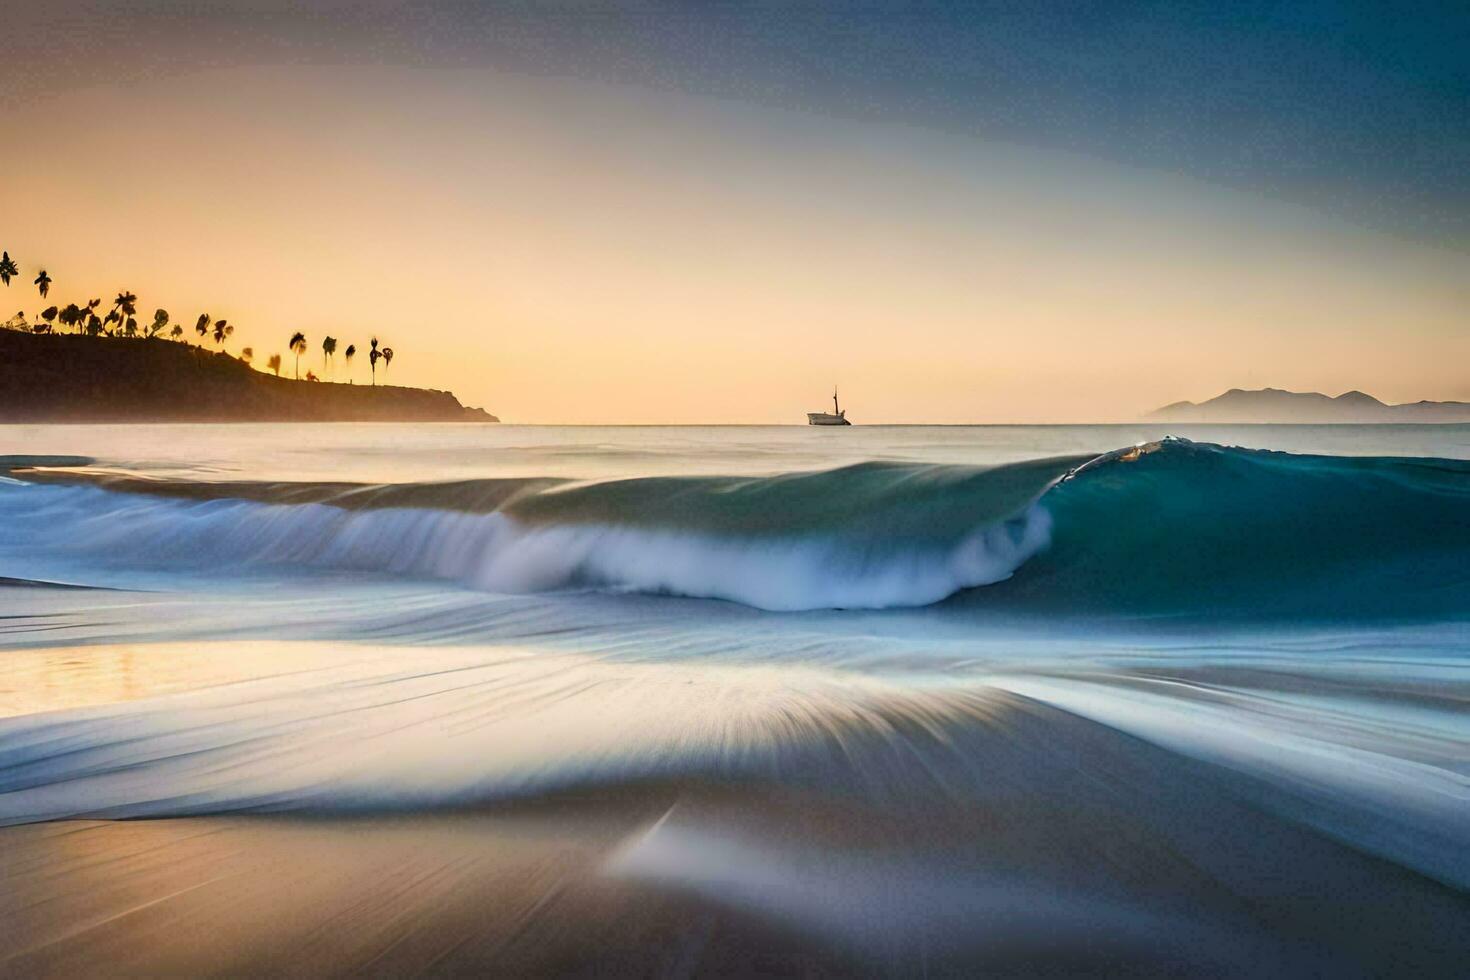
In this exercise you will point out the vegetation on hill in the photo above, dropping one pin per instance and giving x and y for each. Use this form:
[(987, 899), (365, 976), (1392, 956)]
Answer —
[(121, 320), (67, 378), (81, 362)]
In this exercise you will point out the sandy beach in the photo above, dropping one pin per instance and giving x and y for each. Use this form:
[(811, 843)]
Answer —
[(1027, 840)]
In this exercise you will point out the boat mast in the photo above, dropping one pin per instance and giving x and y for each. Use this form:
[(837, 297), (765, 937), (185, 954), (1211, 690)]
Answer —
[(835, 410)]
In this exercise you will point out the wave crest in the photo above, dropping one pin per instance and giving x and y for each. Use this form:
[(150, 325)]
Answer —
[(870, 537), (1169, 528)]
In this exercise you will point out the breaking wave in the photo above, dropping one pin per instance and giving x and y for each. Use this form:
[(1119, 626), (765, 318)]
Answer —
[(1164, 529)]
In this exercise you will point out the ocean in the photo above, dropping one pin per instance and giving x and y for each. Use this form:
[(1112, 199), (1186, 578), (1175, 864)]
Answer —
[(674, 700)]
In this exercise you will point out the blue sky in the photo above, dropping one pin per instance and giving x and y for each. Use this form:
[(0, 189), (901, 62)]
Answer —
[(1360, 109)]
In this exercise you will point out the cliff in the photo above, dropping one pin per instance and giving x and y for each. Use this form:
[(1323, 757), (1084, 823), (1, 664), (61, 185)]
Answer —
[(68, 378)]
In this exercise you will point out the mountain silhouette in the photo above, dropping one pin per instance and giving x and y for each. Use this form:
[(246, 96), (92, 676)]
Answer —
[(1276, 405)]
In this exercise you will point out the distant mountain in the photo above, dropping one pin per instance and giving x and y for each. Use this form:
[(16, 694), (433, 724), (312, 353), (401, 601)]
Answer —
[(1275, 405)]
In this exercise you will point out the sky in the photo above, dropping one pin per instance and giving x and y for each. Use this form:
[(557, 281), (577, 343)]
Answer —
[(706, 213)]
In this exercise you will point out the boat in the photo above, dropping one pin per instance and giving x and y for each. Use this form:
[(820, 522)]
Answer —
[(835, 417)]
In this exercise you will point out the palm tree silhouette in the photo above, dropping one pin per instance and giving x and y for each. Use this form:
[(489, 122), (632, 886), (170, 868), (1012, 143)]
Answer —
[(126, 307), (122, 320), (329, 347), (298, 347)]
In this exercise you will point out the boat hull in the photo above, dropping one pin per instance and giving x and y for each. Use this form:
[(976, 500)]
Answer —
[(826, 418)]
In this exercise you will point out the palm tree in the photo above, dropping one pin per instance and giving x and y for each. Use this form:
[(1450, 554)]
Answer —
[(347, 354), (274, 363), (82, 317), (160, 320), (373, 356), (387, 357), (329, 347), (126, 307), (222, 329), (298, 347), (43, 283), (8, 268), (201, 325)]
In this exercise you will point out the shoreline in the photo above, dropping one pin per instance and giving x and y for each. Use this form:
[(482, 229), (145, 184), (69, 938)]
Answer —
[(855, 827)]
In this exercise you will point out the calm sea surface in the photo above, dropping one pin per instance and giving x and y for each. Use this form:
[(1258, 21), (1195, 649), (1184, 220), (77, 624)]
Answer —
[(399, 453)]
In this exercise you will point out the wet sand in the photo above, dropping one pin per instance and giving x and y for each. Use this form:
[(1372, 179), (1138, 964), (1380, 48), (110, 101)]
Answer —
[(828, 826), (383, 897), (1098, 856), (41, 679), (719, 886)]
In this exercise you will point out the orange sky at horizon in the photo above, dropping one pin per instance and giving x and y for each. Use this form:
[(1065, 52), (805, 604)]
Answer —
[(564, 251)]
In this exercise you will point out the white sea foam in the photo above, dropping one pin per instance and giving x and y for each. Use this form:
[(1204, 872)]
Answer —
[(499, 553)]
